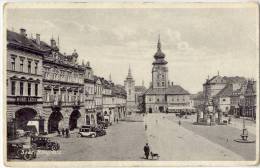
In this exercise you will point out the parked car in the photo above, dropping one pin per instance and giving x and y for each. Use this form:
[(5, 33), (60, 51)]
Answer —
[(44, 143), (103, 124), (20, 150), (99, 131), (86, 132), (107, 120)]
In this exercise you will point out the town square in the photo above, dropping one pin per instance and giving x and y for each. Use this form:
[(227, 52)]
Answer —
[(129, 85)]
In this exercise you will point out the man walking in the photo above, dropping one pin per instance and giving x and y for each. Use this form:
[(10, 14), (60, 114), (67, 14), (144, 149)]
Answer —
[(146, 150)]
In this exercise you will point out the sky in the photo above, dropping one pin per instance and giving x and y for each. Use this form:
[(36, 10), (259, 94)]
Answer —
[(197, 42)]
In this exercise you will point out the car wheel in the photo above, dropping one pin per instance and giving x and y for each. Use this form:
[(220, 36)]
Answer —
[(27, 156), (34, 155), (93, 136), (34, 146), (54, 147), (20, 153)]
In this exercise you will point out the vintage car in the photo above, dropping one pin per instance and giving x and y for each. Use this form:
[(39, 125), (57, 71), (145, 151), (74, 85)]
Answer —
[(103, 124), (44, 143), (20, 150), (99, 130), (86, 132)]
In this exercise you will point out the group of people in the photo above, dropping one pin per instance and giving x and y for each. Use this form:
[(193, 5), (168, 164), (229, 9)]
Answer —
[(64, 132)]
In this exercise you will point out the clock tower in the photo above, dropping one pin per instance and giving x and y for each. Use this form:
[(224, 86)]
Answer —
[(159, 70)]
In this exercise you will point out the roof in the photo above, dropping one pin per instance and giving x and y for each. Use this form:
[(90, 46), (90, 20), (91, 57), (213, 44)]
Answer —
[(140, 89), (21, 41), (226, 91), (171, 90), (225, 79)]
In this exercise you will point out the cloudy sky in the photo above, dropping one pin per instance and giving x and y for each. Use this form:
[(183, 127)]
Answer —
[(197, 42)]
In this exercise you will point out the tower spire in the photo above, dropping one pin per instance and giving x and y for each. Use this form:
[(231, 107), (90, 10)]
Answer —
[(159, 44), (129, 73)]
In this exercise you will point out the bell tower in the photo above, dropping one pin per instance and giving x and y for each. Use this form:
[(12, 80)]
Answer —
[(159, 70), (129, 84)]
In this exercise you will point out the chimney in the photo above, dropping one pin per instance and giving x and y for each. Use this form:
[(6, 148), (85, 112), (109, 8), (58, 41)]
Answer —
[(172, 83), (23, 32), (53, 43), (38, 40)]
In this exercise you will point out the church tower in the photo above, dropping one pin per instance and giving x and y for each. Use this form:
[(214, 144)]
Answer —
[(159, 70), (130, 89)]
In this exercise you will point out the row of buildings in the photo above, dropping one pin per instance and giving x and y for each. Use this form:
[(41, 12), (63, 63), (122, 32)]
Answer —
[(51, 90), (227, 95)]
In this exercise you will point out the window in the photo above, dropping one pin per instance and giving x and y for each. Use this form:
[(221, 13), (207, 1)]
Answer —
[(13, 63), (162, 76), (158, 100), (29, 89), (150, 99), (129, 91), (36, 68), (29, 66), (21, 64), (21, 88), (13, 88), (36, 89), (162, 83), (224, 100), (158, 84)]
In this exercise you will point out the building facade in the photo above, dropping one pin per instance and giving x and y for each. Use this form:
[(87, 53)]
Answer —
[(163, 96), (24, 83), (89, 86)]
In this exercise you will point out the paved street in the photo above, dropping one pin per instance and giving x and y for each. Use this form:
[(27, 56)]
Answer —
[(221, 136), (173, 142), (124, 141)]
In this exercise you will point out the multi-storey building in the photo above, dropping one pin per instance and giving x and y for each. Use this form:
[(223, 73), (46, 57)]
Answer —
[(63, 88), (119, 101), (161, 96), (98, 90), (89, 86), (24, 83)]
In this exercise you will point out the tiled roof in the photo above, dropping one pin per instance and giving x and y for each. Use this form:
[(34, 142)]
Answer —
[(171, 90), (20, 40)]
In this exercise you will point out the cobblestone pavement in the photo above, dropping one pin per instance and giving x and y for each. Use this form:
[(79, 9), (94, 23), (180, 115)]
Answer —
[(222, 135)]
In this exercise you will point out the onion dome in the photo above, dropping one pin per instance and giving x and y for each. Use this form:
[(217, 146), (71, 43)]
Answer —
[(159, 55)]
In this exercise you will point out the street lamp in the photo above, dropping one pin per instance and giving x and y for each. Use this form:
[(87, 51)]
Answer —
[(244, 134)]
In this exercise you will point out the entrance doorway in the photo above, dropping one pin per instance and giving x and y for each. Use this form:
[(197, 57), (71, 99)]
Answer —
[(150, 110), (53, 122), (87, 120), (23, 116), (161, 109), (73, 122)]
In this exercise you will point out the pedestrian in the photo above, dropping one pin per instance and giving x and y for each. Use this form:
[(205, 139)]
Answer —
[(58, 132), (229, 120), (117, 120), (179, 122), (145, 127), (146, 151), (67, 132), (63, 132)]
